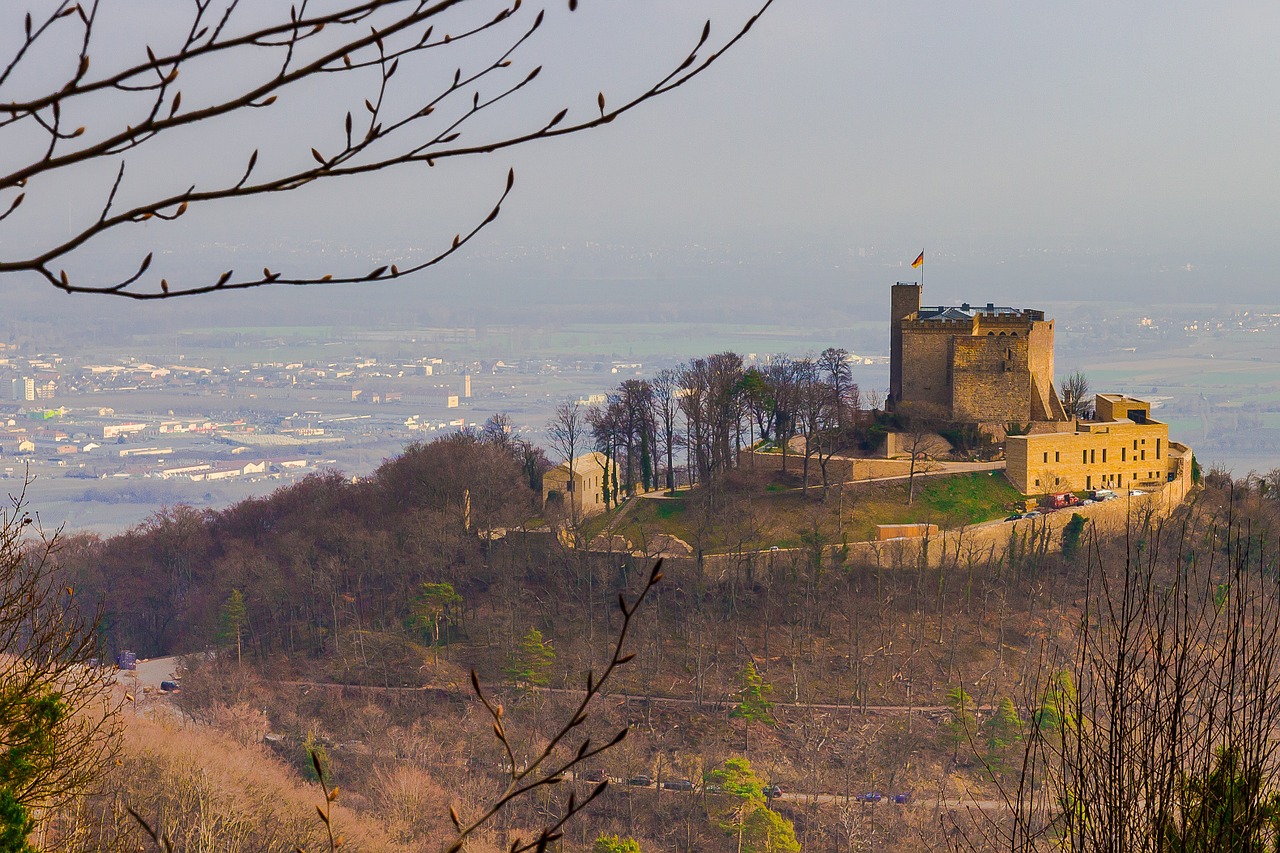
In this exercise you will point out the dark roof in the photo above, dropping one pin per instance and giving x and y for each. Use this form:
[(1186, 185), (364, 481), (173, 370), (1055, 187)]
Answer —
[(967, 311)]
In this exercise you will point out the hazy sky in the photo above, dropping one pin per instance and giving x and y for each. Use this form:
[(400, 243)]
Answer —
[(1116, 148)]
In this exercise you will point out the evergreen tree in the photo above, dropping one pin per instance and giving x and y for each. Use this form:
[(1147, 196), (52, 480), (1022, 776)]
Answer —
[(1228, 810), (646, 461), (766, 831), (1002, 732), (532, 661), (28, 742), (753, 701), (614, 844), (232, 620), (758, 828), (433, 606), (736, 778), (1071, 533), (961, 725), (1057, 709)]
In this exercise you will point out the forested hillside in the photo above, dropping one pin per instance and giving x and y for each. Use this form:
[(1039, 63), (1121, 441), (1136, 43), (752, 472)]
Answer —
[(345, 617)]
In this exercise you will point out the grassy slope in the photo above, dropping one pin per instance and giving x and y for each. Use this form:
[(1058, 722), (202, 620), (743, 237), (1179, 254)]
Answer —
[(778, 517)]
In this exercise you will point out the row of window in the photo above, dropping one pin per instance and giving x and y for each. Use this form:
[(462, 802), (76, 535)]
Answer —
[(1106, 480), (1090, 456)]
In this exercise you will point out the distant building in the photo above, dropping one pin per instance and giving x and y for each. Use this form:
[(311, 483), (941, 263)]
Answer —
[(584, 492), (984, 364), (1122, 448), (110, 431)]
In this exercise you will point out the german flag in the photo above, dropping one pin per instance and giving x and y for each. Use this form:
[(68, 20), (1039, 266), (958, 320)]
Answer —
[(918, 262)]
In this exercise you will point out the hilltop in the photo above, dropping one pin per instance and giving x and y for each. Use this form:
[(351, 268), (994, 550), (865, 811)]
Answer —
[(861, 653)]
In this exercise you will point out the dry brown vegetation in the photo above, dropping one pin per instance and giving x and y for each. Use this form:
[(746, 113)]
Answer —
[(862, 655), (206, 791)]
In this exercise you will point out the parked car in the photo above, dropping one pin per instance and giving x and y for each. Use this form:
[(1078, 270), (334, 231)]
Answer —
[(772, 792), (678, 785), (169, 686), (1062, 500), (1133, 493), (1014, 517), (871, 797), (1035, 513), (640, 780), (593, 776), (1104, 495), (903, 798)]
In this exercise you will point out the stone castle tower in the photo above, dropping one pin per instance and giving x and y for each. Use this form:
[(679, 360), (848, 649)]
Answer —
[(982, 364)]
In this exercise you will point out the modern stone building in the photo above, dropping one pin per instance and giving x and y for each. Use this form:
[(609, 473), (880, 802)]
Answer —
[(983, 364), (1122, 448)]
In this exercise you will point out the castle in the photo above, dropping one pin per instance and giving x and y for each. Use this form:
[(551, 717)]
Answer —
[(992, 366), (988, 365)]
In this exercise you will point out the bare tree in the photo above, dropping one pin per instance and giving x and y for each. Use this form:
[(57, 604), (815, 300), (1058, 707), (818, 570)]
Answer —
[(711, 408), (567, 433), (783, 376), (1152, 720), (58, 714), (70, 103), (666, 390), (919, 424), (834, 363), (1075, 395)]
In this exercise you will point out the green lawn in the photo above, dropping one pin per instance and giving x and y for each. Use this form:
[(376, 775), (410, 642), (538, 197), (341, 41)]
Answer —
[(762, 516)]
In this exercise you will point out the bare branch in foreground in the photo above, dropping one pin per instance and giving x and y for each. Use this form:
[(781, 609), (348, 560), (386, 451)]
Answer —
[(424, 123)]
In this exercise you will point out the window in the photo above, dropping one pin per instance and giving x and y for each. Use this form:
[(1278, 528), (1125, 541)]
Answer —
[(1084, 457), (1122, 454), (1093, 456), (1157, 448), (1104, 454), (1046, 456), (1057, 457), (1037, 482), (1144, 456)]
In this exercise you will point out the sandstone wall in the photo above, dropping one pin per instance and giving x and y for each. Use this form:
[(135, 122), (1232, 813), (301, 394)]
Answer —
[(905, 300), (991, 379), (1108, 456), (926, 364), (1040, 364)]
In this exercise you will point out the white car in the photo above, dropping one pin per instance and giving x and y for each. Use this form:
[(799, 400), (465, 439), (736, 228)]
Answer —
[(1133, 493)]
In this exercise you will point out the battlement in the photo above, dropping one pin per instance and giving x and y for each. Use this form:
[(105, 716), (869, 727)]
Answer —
[(979, 363)]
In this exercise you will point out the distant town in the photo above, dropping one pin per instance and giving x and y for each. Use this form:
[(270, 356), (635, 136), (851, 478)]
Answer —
[(216, 415)]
